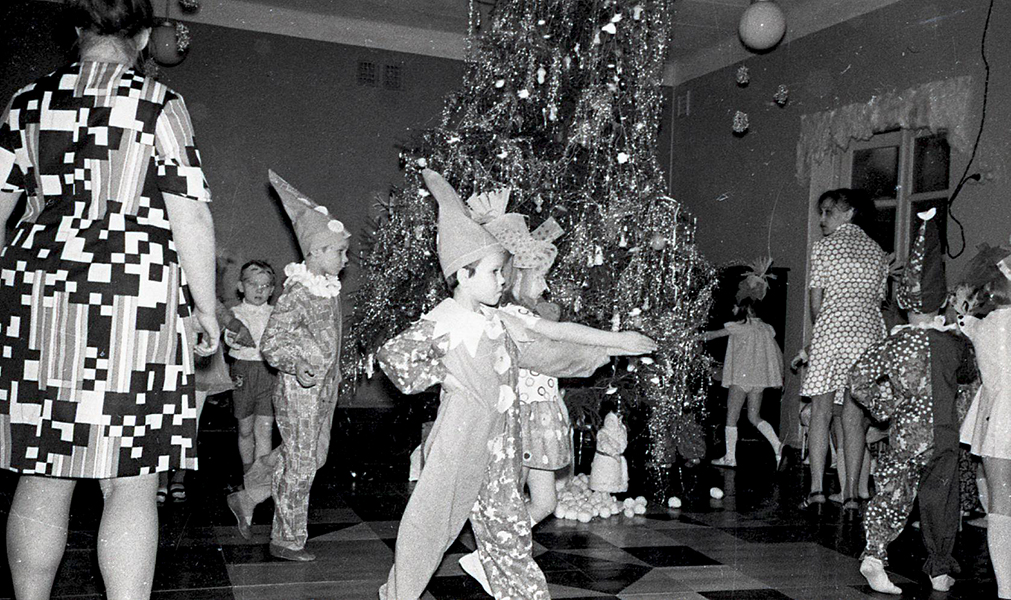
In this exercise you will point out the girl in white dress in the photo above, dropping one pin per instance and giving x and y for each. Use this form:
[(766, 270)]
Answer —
[(987, 426), (752, 363)]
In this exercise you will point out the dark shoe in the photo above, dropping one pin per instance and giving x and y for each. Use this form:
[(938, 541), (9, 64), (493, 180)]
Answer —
[(177, 490), (814, 500), (300, 555), (851, 504), (243, 522)]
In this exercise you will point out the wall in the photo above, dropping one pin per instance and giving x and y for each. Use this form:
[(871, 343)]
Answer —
[(743, 190)]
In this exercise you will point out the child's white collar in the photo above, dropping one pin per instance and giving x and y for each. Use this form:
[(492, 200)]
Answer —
[(324, 286), (937, 323), (463, 325)]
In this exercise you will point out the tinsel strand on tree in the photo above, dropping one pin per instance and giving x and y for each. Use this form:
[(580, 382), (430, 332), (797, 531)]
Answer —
[(561, 102)]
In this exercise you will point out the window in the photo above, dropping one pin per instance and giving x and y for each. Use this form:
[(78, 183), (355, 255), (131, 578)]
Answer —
[(906, 172), (367, 75)]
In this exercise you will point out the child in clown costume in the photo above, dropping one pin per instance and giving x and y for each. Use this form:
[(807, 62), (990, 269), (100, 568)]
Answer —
[(302, 341), (911, 379), (472, 459)]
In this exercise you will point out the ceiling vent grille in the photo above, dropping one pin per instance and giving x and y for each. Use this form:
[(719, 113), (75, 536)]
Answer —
[(368, 75), (393, 77)]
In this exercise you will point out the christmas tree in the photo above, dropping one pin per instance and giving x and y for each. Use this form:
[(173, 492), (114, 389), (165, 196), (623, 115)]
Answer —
[(561, 102)]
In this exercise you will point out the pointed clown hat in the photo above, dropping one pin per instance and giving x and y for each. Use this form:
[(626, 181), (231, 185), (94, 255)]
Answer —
[(923, 288), (530, 250), (314, 227), (461, 240)]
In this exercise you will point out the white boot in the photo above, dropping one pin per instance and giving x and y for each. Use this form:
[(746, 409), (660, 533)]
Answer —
[(472, 566), (770, 434), (730, 458)]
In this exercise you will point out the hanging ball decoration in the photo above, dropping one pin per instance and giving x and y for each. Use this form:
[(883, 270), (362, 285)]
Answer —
[(658, 242), (762, 25), (743, 77), (164, 45), (741, 124)]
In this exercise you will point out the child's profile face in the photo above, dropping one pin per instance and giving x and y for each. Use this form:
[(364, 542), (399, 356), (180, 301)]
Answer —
[(485, 285), (331, 259), (256, 287)]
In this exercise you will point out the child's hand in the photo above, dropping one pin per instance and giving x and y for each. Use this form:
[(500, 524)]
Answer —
[(240, 338), (634, 343), (305, 374)]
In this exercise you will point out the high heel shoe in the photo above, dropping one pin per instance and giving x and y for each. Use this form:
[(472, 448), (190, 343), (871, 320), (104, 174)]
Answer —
[(810, 502)]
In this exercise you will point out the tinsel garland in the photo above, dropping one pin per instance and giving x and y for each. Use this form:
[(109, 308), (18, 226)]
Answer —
[(562, 101)]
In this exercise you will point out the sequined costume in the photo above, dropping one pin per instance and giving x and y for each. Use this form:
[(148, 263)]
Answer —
[(911, 379), (472, 459)]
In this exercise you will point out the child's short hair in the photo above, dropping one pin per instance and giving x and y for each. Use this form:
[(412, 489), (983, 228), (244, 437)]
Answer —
[(451, 279), (257, 266)]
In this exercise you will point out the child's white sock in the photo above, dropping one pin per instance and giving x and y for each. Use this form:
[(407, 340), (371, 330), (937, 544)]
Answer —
[(770, 434), (731, 435), (942, 583), (472, 566), (874, 571), (998, 537)]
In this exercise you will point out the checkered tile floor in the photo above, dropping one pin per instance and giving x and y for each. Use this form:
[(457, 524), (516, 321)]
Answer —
[(752, 544)]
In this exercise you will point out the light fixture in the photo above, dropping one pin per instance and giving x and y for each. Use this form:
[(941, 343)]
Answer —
[(762, 25)]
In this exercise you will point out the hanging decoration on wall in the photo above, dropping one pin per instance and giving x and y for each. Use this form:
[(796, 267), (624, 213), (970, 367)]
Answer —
[(762, 25), (782, 95), (743, 77), (740, 123)]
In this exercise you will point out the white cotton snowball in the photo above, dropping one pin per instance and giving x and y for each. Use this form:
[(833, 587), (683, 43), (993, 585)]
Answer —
[(639, 509), (629, 513), (674, 502), (641, 500), (605, 513), (559, 512), (584, 517), (571, 514), (716, 493), (628, 503)]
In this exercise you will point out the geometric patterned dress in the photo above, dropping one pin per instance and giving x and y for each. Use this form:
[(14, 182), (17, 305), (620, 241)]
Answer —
[(96, 375)]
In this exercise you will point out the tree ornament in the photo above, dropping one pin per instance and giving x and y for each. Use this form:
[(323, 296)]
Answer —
[(658, 242), (762, 25), (169, 42)]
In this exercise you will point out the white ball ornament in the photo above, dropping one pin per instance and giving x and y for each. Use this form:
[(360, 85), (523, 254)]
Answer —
[(585, 517), (559, 512), (640, 509), (605, 513), (716, 493), (762, 25), (629, 513), (674, 502), (641, 500)]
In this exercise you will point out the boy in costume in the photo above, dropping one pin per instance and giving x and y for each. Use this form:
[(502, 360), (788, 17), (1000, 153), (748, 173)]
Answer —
[(911, 379), (302, 341), (472, 459)]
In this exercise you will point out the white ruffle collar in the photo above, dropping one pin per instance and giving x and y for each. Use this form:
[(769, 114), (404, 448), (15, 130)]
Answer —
[(937, 323), (324, 286), (464, 326)]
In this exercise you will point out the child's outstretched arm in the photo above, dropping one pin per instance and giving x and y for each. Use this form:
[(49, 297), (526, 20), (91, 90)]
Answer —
[(412, 359), (712, 335), (617, 342)]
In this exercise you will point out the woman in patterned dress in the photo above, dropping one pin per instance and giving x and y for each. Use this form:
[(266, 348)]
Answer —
[(849, 277), (99, 303)]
